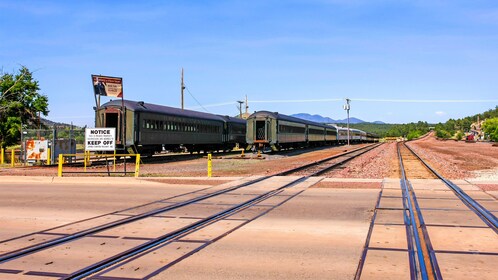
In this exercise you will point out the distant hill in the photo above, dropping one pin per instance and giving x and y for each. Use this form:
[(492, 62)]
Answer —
[(320, 119), (313, 118), (50, 124)]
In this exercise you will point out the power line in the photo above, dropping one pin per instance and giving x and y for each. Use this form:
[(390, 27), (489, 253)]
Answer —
[(196, 99), (426, 100)]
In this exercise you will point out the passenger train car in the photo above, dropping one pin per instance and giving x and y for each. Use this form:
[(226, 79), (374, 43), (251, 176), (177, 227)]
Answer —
[(148, 128), (278, 131)]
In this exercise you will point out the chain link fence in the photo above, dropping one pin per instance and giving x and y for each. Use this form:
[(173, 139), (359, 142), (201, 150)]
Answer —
[(36, 142)]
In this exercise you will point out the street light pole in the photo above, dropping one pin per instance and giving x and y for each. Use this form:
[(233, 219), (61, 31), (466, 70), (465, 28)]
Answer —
[(240, 108), (347, 107)]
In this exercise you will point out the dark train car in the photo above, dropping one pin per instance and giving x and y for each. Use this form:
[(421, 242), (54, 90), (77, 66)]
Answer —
[(149, 128), (278, 131), (235, 131)]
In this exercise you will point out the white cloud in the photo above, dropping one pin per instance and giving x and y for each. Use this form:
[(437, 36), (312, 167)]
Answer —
[(440, 113)]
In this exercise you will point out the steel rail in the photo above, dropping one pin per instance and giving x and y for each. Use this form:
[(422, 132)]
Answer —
[(77, 235), (423, 267), (297, 169), (477, 208), (326, 169), (425, 233), (94, 230), (92, 269)]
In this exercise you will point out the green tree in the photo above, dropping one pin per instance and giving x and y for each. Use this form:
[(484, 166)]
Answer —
[(490, 126), (20, 102)]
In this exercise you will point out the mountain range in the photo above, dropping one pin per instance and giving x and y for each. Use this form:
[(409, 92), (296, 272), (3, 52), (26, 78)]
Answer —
[(320, 119)]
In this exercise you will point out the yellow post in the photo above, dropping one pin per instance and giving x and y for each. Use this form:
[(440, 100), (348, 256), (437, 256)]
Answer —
[(259, 153), (59, 170), (2, 155), (12, 158), (48, 157), (210, 166), (114, 162), (242, 155), (137, 164), (84, 161)]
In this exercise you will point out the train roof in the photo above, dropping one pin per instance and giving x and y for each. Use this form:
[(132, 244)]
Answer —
[(140, 106), (279, 116), (234, 119)]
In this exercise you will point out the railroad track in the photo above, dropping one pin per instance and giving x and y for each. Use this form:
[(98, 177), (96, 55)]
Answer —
[(435, 214), (325, 165), (117, 247)]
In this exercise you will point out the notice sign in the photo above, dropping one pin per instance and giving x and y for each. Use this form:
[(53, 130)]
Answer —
[(107, 86), (100, 139)]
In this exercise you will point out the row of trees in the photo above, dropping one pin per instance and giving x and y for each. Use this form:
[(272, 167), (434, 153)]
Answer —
[(20, 102), (456, 128), (453, 128), (490, 126), (409, 130)]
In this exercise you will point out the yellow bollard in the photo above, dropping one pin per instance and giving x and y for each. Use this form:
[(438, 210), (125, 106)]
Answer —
[(2, 155), (84, 161), (48, 157), (114, 162), (210, 165), (259, 153), (242, 155), (137, 164), (59, 170), (12, 158)]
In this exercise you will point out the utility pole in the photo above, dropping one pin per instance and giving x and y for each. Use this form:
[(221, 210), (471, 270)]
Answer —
[(247, 106), (240, 108), (347, 107), (182, 88)]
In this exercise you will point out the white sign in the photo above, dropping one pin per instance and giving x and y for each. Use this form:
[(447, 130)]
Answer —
[(100, 139)]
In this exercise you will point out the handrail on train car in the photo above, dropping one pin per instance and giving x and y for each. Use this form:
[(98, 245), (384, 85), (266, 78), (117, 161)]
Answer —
[(86, 161)]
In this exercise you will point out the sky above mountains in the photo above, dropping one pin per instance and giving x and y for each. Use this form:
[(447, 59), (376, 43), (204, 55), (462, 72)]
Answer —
[(398, 61)]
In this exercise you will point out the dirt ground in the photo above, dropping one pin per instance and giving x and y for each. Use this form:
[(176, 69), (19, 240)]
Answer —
[(459, 159), (454, 160)]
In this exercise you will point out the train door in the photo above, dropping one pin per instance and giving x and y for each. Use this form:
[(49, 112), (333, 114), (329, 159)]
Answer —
[(261, 130), (112, 118)]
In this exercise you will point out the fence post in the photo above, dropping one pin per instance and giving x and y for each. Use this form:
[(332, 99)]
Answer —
[(12, 158), (2, 155), (59, 170), (48, 157), (137, 164), (210, 165), (114, 162)]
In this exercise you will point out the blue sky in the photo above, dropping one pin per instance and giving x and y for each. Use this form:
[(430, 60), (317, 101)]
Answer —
[(392, 58)]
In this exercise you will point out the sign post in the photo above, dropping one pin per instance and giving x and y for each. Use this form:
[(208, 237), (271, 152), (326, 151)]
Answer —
[(111, 87)]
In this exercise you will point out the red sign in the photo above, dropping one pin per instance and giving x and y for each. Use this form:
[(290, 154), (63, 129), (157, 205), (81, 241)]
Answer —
[(107, 86)]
